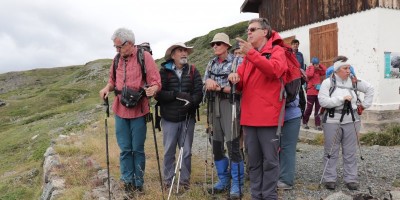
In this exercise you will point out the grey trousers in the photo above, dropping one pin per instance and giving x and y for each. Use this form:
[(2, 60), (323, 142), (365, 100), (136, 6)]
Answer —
[(173, 136), (222, 121), (262, 144), (341, 136)]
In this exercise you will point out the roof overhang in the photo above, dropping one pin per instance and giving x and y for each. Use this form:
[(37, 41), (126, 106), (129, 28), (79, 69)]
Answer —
[(250, 6)]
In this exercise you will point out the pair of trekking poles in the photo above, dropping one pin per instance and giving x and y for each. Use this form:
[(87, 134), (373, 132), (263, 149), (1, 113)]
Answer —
[(180, 158), (107, 108), (347, 108), (209, 131)]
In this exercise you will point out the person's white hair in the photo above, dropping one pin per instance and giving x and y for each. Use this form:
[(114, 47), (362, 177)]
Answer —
[(124, 35)]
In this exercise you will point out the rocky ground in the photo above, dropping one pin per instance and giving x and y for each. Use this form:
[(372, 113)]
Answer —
[(379, 171), (382, 166)]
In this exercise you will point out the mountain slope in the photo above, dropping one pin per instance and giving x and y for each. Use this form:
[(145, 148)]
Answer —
[(42, 104)]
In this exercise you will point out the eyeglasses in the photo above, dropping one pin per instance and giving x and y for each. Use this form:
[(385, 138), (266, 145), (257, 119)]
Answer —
[(120, 46), (252, 29), (216, 43)]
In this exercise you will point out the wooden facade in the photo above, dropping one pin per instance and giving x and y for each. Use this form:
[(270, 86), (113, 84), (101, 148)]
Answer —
[(288, 14), (324, 43)]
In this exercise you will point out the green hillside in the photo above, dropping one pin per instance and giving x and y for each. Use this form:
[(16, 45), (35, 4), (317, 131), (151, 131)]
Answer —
[(42, 104), (202, 50)]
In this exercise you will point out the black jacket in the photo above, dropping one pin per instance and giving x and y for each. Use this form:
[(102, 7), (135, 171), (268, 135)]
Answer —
[(190, 82)]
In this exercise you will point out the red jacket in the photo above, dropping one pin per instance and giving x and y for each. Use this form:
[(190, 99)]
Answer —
[(260, 84), (315, 77)]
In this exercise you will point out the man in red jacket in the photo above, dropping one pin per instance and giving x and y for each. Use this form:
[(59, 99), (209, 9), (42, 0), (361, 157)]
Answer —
[(315, 75), (258, 79)]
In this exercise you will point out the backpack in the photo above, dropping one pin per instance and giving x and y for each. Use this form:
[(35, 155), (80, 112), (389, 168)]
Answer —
[(354, 82), (332, 88), (140, 58), (292, 78), (290, 81)]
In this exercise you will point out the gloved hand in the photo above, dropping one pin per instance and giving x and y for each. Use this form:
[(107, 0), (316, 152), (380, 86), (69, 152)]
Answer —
[(184, 96)]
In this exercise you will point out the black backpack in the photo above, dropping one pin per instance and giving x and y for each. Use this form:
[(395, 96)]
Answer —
[(140, 57)]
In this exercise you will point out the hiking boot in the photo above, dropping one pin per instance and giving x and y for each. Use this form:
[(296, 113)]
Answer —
[(185, 186), (237, 173), (305, 126), (129, 190), (224, 178), (166, 186), (319, 128), (330, 185), (284, 186), (138, 190), (352, 186)]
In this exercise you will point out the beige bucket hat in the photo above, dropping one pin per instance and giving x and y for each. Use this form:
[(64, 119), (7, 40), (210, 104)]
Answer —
[(174, 46), (221, 37)]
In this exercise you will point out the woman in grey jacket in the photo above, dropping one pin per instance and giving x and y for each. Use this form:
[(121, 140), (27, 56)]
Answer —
[(338, 94)]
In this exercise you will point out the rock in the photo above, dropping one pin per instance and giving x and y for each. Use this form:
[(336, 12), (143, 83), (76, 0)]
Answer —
[(2, 103), (395, 194), (339, 196), (53, 187), (34, 137)]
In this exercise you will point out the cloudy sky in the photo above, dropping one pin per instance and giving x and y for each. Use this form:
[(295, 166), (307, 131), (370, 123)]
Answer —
[(55, 33)]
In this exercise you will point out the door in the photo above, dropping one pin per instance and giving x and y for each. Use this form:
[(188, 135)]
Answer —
[(324, 43)]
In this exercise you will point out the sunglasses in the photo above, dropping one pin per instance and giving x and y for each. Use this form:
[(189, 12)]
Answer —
[(253, 29), (216, 43), (120, 46)]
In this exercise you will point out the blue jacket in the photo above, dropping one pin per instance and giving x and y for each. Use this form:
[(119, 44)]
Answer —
[(292, 109), (300, 58)]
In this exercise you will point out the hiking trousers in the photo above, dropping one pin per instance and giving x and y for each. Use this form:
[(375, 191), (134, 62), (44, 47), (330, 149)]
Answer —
[(174, 136), (347, 139), (262, 144), (287, 154), (312, 101), (222, 130), (131, 135)]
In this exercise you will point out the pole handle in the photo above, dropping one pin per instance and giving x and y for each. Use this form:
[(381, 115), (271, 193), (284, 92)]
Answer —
[(107, 105)]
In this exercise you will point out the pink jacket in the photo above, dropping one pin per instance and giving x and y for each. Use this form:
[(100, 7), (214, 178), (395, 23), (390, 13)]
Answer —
[(260, 84), (315, 77)]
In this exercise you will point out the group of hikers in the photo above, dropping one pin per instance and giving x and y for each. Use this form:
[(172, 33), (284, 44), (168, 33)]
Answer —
[(242, 87)]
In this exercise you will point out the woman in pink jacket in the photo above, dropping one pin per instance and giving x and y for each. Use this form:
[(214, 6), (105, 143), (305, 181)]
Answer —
[(258, 79), (315, 75)]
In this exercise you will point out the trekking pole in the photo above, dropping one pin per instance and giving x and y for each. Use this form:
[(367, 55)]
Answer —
[(206, 154), (107, 106), (181, 149), (180, 157), (156, 147), (359, 147), (333, 144), (211, 134), (234, 131)]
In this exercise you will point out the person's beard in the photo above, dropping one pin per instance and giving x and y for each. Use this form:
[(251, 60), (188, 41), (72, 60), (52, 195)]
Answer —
[(183, 61)]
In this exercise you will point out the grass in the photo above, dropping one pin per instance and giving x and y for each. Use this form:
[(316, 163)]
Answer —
[(91, 143), (389, 137)]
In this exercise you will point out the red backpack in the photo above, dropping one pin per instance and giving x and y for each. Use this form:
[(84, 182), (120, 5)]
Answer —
[(291, 79)]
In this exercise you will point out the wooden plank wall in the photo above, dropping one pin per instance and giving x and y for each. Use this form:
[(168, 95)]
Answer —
[(289, 14), (324, 43)]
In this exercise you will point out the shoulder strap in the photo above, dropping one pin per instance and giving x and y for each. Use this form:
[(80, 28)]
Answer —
[(332, 88), (115, 66), (192, 68), (141, 61)]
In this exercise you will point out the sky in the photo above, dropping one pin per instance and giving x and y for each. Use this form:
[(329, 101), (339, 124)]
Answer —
[(57, 33)]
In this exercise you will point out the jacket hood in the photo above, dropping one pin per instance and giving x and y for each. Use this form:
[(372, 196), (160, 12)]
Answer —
[(167, 64), (275, 39)]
